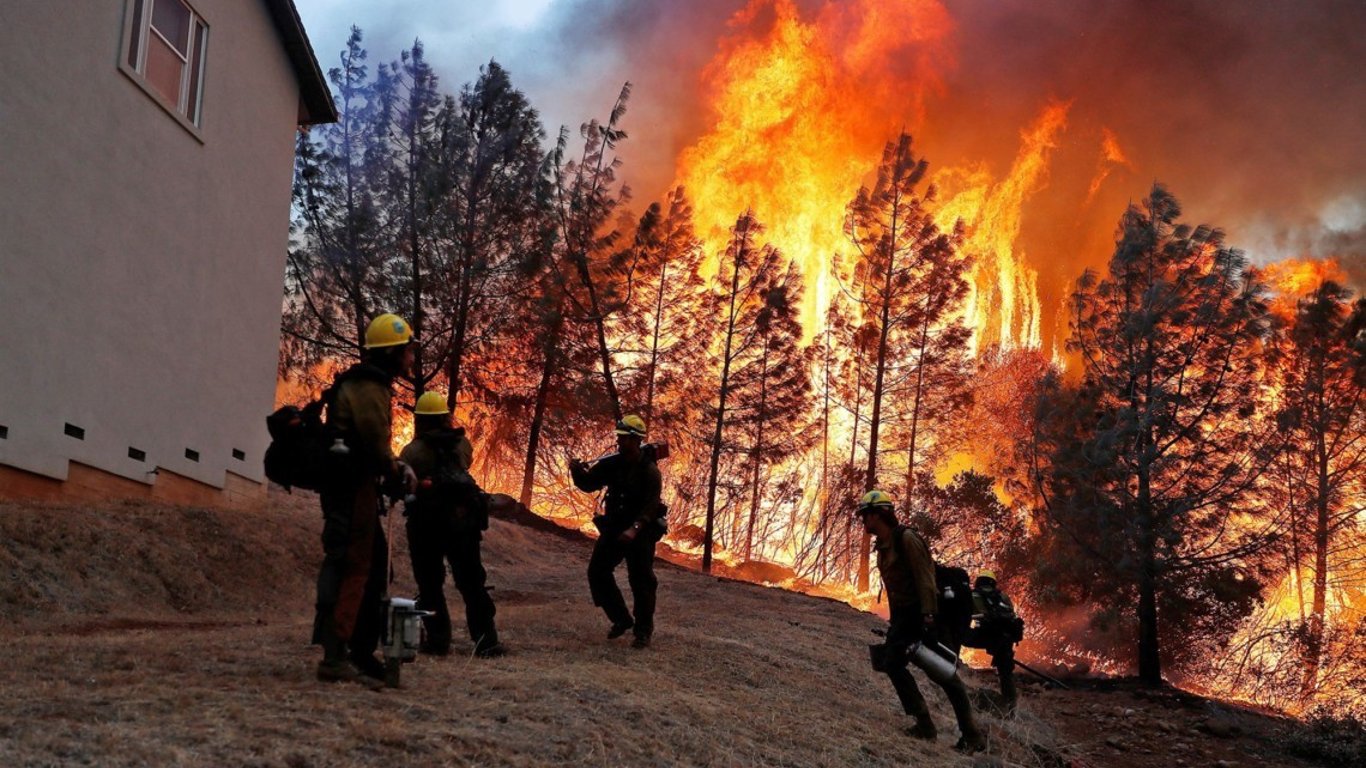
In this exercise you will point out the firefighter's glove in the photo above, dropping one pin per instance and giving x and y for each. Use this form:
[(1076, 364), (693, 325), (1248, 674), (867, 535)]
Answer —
[(409, 479), (629, 534)]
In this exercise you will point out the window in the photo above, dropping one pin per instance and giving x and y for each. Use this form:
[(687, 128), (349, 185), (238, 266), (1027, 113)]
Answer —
[(165, 53)]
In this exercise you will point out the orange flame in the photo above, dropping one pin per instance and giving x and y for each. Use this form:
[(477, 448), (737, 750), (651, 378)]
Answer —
[(1292, 279), (1111, 157), (799, 121), (1003, 307), (802, 109)]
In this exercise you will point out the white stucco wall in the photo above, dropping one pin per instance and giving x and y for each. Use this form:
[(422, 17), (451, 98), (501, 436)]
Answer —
[(140, 269)]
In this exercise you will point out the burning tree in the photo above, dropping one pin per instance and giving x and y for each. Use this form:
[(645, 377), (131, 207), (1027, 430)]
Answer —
[(753, 294), (1323, 414), (909, 285), (662, 341), (584, 206), (1153, 455)]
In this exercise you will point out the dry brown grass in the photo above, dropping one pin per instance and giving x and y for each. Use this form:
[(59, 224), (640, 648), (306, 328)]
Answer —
[(179, 637)]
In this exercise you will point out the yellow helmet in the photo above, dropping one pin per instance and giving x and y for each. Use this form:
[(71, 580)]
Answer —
[(986, 575), (387, 330), (874, 499), (631, 425), (431, 404)]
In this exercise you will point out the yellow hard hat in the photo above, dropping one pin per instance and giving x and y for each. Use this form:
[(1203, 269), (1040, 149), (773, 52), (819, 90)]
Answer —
[(986, 575), (631, 425), (388, 330), (431, 404), (874, 499)]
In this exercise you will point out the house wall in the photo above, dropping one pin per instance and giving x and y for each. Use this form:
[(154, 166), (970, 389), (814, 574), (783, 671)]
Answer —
[(140, 265)]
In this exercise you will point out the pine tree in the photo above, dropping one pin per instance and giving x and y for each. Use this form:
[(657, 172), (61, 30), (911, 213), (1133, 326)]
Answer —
[(494, 215), (909, 283), (771, 390), (1323, 413), (417, 188), (336, 277), (1153, 455), (585, 205), (747, 275)]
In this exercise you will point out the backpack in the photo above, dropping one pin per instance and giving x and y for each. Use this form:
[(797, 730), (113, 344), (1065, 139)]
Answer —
[(302, 452), (298, 454), (450, 485), (955, 602), (1000, 616), (954, 613)]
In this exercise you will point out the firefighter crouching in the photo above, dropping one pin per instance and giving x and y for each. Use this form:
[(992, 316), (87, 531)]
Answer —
[(996, 629), (628, 530), (907, 570), (349, 618), (446, 520)]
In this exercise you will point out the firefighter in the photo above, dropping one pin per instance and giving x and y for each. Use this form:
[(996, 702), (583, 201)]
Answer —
[(907, 571), (351, 582), (629, 528), (996, 629), (445, 524)]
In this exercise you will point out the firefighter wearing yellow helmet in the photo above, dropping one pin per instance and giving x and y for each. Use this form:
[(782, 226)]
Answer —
[(630, 527), (446, 521), (907, 570), (349, 615), (996, 629)]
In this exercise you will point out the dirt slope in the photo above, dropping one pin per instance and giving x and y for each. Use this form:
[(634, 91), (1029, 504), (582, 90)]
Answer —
[(158, 636)]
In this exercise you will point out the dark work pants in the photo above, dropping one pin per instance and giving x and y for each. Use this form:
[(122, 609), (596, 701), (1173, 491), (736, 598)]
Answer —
[(906, 629), (354, 571), (433, 541), (1002, 653), (639, 555)]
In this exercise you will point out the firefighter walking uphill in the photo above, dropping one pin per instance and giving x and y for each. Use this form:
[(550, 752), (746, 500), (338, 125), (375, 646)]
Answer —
[(907, 570)]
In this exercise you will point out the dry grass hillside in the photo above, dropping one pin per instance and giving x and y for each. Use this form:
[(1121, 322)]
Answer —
[(141, 635)]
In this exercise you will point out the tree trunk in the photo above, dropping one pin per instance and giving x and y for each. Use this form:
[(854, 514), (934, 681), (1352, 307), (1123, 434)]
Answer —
[(880, 370), (463, 302), (551, 360), (1318, 610), (915, 406), (599, 323), (710, 530), (654, 347), (759, 418), (415, 253), (1149, 657)]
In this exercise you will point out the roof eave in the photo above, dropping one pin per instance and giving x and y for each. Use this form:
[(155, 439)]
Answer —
[(315, 97)]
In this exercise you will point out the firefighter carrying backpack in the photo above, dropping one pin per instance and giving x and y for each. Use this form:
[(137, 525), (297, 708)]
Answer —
[(954, 613), (1000, 616)]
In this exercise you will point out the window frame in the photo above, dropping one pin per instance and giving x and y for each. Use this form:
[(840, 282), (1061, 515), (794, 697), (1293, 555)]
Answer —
[(192, 119)]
